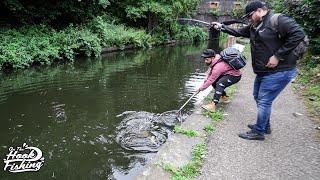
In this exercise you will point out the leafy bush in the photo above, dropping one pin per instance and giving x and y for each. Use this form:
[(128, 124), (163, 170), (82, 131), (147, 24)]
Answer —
[(191, 33), (58, 12), (76, 40), (21, 48), (158, 17), (118, 35)]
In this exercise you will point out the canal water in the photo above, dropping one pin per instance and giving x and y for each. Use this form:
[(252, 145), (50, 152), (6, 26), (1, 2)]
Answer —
[(75, 113)]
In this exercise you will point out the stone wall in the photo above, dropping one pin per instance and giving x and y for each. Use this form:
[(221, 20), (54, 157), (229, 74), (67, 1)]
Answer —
[(225, 7)]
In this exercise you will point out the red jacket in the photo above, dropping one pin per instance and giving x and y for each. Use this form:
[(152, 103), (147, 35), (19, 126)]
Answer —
[(216, 69)]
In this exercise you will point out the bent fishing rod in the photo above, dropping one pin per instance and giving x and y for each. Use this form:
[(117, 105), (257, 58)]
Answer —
[(210, 24)]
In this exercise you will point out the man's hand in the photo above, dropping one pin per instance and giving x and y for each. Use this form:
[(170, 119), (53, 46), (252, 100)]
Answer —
[(216, 25), (273, 62)]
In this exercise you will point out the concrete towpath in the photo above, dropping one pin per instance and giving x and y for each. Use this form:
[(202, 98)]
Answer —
[(292, 151)]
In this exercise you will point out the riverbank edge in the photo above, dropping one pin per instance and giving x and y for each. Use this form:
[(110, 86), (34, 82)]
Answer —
[(177, 155), (177, 151), (128, 47), (105, 50)]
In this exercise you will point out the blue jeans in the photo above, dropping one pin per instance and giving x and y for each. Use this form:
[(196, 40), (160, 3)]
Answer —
[(266, 89)]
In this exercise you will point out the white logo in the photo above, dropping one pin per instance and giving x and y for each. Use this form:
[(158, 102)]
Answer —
[(23, 159), (261, 31)]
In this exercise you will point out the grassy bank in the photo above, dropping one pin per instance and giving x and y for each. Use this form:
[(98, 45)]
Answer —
[(190, 170), (308, 84), (41, 44)]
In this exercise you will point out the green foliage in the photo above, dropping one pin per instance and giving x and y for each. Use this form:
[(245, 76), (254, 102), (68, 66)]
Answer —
[(310, 61), (247, 50), (190, 170), (65, 29), (306, 13), (223, 38), (209, 128), (215, 12), (308, 82), (237, 12), (231, 90), (161, 10), (118, 35), (42, 44), (198, 153), (187, 132), (169, 168), (215, 116), (75, 40), (20, 48), (158, 17), (190, 33), (60, 12)]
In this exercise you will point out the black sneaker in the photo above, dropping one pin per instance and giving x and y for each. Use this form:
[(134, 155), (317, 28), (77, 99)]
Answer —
[(268, 130), (251, 135)]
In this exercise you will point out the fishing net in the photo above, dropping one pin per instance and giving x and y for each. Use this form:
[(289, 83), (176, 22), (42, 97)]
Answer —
[(145, 132)]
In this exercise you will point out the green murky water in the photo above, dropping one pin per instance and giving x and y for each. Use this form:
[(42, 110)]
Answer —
[(75, 113)]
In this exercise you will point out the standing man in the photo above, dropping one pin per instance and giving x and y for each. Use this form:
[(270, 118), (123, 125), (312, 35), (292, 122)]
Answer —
[(273, 60)]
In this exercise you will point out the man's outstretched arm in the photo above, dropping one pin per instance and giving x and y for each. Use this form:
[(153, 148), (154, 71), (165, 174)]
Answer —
[(243, 32)]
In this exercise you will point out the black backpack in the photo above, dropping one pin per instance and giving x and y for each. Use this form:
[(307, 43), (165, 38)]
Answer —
[(233, 57), (302, 46)]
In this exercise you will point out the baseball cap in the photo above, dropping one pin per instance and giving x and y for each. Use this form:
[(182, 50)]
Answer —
[(208, 53), (253, 6)]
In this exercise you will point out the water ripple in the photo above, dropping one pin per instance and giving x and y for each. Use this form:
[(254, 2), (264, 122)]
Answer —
[(143, 131)]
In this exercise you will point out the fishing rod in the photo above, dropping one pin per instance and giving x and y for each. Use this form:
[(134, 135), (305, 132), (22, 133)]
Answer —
[(195, 20), (229, 22)]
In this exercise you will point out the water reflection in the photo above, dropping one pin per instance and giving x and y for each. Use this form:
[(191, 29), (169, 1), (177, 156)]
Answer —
[(70, 111)]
